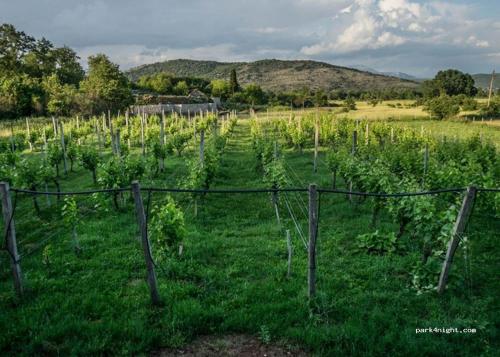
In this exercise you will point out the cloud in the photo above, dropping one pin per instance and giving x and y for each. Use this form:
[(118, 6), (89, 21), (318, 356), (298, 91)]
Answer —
[(391, 35), (372, 25)]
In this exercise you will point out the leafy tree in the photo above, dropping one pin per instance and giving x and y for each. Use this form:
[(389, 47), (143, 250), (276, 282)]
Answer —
[(220, 88), (14, 45), (453, 82), (61, 98), (234, 86), (442, 107), (254, 94), (105, 85), (350, 103), (181, 88), (68, 69)]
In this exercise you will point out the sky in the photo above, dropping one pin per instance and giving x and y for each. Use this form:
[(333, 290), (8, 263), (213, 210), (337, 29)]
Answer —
[(411, 36)]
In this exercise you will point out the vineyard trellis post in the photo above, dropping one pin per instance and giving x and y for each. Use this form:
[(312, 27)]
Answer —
[(316, 144), (146, 247), (456, 236), (313, 233), (289, 249), (162, 139), (202, 147), (10, 234), (63, 145)]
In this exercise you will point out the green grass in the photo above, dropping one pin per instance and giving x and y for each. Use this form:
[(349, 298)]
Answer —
[(232, 277)]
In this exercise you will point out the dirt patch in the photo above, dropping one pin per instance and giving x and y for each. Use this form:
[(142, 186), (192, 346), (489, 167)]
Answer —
[(230, 345)]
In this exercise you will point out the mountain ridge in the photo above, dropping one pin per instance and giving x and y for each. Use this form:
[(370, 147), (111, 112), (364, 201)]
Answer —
[(278, 75)]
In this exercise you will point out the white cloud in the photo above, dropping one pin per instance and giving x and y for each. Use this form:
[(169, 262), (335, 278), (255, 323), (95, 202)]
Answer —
[(376, 24)]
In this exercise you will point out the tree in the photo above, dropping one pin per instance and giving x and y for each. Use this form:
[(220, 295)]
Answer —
[(14, 45), (442, 107), (181, 88), (233, 82), (105, 85), (161, 83), (220, 88), (350, 104), (453, 82), (68, 69), (60, 98), (254, 94)]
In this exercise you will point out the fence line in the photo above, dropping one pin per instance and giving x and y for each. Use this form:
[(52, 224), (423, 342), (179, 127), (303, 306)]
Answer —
[(142, 214), (253, 190)]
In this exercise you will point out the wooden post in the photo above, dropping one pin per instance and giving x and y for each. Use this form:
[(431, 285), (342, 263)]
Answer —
[(202, 147), (313, 233), (28, 132), (289, 249), (142, 134), (128, 128), (367, 135), (55, 127), (162, 138), (392, 135), (111, 133), (426, 162), (141, 220), (354, 142), (10, 234), (458, 229), (63, 145), (316, 144), (117, 142), (491, 88)]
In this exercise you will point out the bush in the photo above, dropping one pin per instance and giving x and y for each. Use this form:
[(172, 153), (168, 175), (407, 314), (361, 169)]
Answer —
[(442, 107)]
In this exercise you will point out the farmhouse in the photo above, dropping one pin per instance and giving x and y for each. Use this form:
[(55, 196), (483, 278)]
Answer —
[(193, 103)]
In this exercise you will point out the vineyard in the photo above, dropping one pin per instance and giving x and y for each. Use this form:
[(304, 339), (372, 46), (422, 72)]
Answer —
[(305, 228)]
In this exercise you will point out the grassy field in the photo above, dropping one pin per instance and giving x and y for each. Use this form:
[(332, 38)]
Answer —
[(232, 278)]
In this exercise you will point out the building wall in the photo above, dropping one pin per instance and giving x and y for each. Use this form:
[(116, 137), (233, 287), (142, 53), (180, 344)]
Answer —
[(183, 109)]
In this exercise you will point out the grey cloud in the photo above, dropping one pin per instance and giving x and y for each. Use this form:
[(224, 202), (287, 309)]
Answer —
[(134, 32)]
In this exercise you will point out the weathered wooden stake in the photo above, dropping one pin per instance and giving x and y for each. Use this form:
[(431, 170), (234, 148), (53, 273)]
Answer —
[(28, 133), (141, 220), (426, 162), (316, 144), (55, 127), (128, 128), (162, 139), (63, 145), (313, 233), (354, 142), (289, 249), (202, 147), (458, 229), (10, 234), (142, 135)]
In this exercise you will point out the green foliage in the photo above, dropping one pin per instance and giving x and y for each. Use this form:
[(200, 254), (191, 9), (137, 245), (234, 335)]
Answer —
[(167, 227), (233, 82), (105, 85), (350, 103), (69, 212), (89, 159), (377, 242), (220, 88), (442, 107), (181, 88), (453, 82)]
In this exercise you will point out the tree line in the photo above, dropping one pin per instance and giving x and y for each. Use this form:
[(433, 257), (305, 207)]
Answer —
[(37, 78)]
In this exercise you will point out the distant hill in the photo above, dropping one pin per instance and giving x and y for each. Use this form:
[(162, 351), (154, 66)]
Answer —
[(483, 80), (277, 75), (400, 75)]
